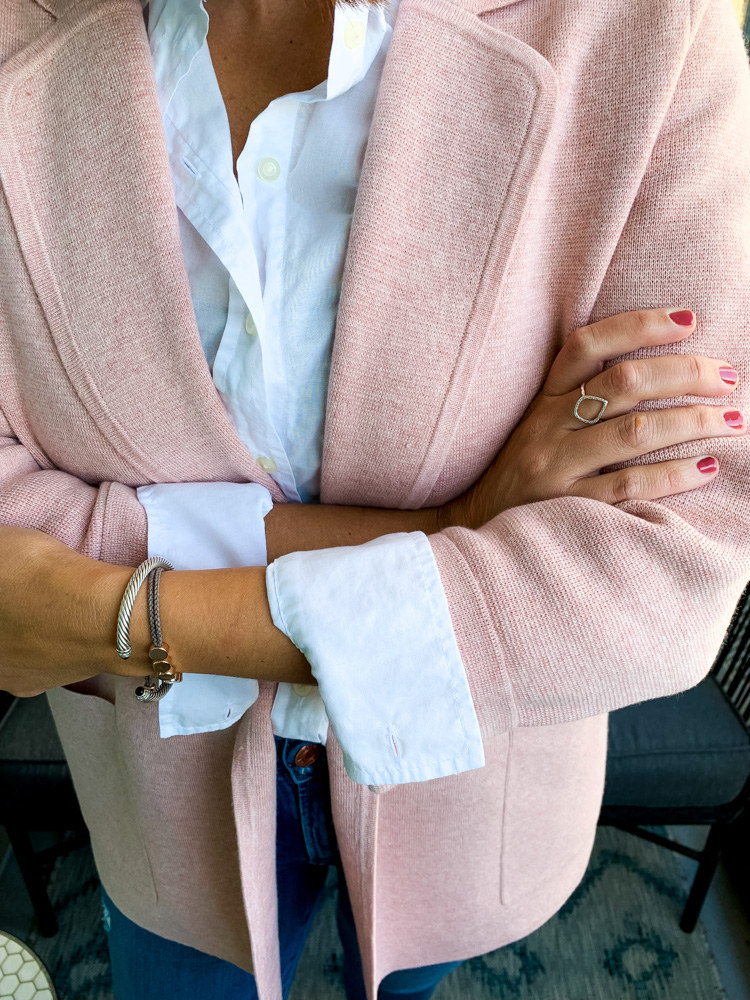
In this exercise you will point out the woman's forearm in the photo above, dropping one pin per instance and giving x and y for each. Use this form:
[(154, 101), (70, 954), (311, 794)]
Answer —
[(219, 621), (58, 619), (295, 527), (214, 622), (58, 608)]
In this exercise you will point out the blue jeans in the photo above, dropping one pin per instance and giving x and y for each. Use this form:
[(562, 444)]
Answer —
[(148, 967)]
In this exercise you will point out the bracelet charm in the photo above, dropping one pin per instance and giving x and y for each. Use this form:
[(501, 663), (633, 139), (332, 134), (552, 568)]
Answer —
[(166, 675)]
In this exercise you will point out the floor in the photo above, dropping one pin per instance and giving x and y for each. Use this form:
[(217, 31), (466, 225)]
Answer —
[(726, 920), (727, 923), (16, 913)]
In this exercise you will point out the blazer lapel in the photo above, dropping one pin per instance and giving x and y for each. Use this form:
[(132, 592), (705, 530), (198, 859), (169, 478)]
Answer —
[(461, 120), (84, 167)]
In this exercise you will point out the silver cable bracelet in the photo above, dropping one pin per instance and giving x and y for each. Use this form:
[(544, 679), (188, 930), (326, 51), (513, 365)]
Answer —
[(159, 652), (149, 691)]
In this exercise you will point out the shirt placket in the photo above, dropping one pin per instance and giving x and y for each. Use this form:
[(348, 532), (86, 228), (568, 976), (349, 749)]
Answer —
[(262, 171), (223, 213)]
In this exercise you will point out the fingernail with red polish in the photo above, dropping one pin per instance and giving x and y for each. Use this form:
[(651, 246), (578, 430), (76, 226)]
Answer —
[(683, 317), (728, 375), (733, 418), (708, 464)]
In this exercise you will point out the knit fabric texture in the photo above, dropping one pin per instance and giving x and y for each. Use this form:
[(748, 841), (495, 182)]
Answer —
[(532, 167)]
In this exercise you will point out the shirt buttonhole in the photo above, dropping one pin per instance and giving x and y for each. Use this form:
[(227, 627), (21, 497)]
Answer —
[(394, 743), (189, 167)]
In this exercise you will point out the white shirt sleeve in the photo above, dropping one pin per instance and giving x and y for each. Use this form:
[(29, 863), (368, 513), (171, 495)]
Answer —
[(206, 526), (374, 624)]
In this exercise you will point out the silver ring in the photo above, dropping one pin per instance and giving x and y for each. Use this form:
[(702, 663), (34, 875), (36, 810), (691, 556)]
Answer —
[(599, 399)]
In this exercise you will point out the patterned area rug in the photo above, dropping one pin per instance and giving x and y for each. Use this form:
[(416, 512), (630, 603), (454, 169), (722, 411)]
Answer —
[(616, 938)]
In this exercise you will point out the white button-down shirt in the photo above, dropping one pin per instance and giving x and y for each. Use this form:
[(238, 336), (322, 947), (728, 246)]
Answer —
[(264, 255)]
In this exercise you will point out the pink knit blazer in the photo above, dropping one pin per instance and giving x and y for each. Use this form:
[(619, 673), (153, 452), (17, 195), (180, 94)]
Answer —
[(534, 165)]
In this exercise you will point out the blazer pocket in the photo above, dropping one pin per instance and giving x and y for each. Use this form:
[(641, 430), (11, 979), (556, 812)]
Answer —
[(554, 788), (88, 732)]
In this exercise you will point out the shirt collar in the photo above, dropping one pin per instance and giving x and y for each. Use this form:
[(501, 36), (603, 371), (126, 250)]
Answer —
[(178, 28), (358, 32), (176, 31)]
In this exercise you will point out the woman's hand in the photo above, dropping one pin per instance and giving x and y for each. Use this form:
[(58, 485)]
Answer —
[(552, 454), (53, 625)]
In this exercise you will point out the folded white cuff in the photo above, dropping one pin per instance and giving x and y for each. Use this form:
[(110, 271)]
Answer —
[(374, 624), (206, 526)]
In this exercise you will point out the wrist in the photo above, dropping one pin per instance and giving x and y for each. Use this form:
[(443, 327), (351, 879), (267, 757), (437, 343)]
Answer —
[(454, 514), (427, 520), (107, 585)]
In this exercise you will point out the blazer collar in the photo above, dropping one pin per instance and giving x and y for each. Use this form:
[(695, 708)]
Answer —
[(97, 225)]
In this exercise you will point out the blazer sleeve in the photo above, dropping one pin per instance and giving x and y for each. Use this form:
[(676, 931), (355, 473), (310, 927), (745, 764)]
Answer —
[(569, 608), (105, 522)]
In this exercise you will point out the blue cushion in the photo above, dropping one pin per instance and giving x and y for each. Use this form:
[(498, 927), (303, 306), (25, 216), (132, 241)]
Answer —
[(689, 749)]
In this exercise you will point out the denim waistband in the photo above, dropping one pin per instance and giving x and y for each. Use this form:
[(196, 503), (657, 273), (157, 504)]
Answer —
[(304, 820)]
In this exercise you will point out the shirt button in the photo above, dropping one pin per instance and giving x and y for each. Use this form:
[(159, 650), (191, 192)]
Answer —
[(354, 35), (307, 755), (302, 690), (250, 326), (267, 464), (269, 169)]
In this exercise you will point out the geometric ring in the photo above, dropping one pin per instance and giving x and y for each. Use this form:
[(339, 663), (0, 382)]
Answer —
[(599, 399)]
